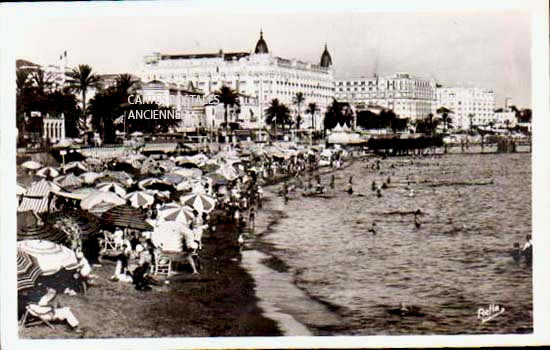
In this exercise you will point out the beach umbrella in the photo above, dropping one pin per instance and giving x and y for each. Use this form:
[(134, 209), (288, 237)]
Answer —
[(199, 201), (166, 164), (127, 217), (50, 257), (121, 176), (229, 172), (90, 177), (136, 134), (114, 187), (41, 231), (48, 172), (140, 198), (93, 162), (172, 179), (68, 181), (176, 212), (27, 270), (31, 165), (154, 184), (87, 223), (168, 236), (79, 167), (101, 198), (182, 172)]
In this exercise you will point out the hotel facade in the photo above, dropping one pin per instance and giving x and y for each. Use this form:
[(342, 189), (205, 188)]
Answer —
[(408, 96), (259, 76), (471, 106)]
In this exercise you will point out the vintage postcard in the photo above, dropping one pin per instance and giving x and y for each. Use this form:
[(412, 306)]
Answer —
[(243, 175)]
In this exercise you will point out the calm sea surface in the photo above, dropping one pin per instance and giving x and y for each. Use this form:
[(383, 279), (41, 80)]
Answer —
[(457, 262)]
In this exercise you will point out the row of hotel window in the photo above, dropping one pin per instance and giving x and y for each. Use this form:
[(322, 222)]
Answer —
[(388, 83), (243, 82)]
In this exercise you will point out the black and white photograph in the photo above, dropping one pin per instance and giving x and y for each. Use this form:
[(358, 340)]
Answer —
[(198, 173)]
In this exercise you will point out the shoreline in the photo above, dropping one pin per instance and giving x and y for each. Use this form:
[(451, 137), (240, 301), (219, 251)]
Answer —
[(282, 300)]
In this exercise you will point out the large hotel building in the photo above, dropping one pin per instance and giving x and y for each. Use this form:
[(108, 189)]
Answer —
[(258, 75), (408, 96)]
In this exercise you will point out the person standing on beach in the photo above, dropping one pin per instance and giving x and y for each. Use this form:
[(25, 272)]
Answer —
[(373, 228)]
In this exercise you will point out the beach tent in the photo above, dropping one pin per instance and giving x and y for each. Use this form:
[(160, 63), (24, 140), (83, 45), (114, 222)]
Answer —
[(127, 217), (37, 197), (50, 257)]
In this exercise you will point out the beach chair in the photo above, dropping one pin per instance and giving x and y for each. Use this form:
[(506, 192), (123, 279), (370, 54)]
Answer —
[(33, 318), (163, 265), (108, 242)]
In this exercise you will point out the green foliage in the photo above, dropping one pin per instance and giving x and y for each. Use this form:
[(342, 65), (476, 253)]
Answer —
[(228, 98), (386, 119)]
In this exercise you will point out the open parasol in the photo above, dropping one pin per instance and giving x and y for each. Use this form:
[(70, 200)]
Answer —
[(127, 217), (27, 270), (51, 257)]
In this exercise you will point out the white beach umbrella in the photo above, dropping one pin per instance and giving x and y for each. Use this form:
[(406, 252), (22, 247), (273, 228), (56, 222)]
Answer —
[(112, 187), (31, 165), (176, 212), (140, 199), (199, 201)]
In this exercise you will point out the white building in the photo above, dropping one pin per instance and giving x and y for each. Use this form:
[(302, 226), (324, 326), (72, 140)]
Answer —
[(258, 74), (468, 104), (408, 96), (505, 119)]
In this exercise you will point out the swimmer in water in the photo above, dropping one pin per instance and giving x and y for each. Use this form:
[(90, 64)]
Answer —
[(373, 229), (378, 193), (384, 186), (374, 186), (411, 192), (417, 222), (332, 181), (389, 180), (350, 180), (516, 252)]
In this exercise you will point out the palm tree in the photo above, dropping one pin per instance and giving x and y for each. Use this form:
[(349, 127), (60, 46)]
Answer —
[(229, 98), (22, 79), (311, 109), (445, 118), (277, 113), (81, 79), (124, 83), (298, 100), (42, 80)]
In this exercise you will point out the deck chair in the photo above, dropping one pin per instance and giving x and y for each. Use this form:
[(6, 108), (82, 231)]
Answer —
[(108, 242), (33, 318), (163, 265)]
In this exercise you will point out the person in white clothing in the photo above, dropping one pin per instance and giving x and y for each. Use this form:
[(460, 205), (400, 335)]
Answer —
[(47, 312)]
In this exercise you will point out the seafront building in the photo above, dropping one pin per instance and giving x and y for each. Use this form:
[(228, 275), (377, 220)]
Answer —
[(408, 96), (260, 75), (471, 106)]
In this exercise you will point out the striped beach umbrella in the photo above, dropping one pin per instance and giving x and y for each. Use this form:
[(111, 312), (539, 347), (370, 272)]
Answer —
[(121, 176), (176, 212), (48, 172), (31, 165), (68, 181), (199, 201), (44, 231), (113, 187), (87, 223), (127, 217), (27, 270), (140, 199), (50, 257)]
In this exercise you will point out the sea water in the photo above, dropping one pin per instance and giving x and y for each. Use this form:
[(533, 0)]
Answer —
[(473, 208)]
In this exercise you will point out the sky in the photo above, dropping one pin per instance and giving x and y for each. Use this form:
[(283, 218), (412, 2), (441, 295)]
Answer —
[(486, 49)]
